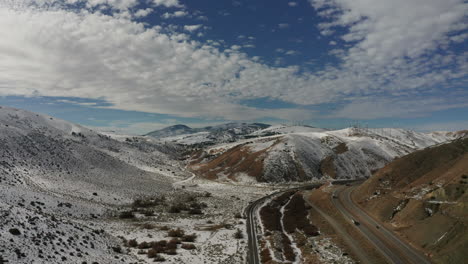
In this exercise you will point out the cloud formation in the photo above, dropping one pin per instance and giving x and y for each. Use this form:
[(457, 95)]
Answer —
[(50, 49)]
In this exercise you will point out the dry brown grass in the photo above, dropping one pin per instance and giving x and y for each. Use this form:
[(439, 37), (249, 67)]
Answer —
[(287, 249), (341, 148), (440, 169), (295, 217), (270, 213), (327, 167)]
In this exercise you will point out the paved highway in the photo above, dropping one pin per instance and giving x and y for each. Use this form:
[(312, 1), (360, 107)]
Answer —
[(393, 248)]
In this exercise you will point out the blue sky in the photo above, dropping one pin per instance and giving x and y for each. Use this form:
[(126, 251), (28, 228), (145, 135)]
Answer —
[(138, 65)]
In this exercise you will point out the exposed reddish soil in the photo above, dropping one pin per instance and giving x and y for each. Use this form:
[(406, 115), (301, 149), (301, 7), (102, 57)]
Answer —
[(327, 167), (240, 159)]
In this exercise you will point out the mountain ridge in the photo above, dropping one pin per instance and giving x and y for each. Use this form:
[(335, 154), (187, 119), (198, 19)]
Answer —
[(228, 132), (347, 153)]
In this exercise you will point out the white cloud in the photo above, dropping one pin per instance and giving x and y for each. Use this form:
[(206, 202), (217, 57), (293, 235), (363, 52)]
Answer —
[(390, 29), (88, 54), (398, 107), (442, 126), (91, 55), (293, 4), (192, 28), (175, 14), (292, 52), (283, 25), (143, 12), (167, 3)]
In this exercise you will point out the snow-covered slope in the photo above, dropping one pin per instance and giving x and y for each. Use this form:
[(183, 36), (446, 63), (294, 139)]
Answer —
[(55, 177), (300, 156), (284, 129), (172, 131), (185, 135)]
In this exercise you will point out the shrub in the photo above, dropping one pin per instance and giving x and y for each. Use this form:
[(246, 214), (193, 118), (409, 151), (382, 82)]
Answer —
[(159, 246), (195, 211), (147, 213), (176, 232), (195, 205), (132, 243), (238, 215), (177, 208), (117, 249), (147, 226), (172, 244), (188, 246), (171, 251), (126, 215), (152, 253), (189, 238), (144, 245), (175, 241), (239, 234), (174, 210), (141, 252), (148, 202)]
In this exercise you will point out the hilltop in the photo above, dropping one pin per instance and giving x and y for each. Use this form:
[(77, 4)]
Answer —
[(210, 135)]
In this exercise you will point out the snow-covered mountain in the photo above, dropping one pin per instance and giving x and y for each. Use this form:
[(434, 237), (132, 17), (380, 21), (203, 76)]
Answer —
[(230, 132), (172, 131), (285, 129), (299, 154), (55, 177)]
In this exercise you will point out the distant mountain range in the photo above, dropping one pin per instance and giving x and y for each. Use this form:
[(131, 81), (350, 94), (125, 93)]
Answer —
[(229, 132)]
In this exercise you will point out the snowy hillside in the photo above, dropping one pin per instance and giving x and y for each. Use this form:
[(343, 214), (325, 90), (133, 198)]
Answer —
[(55, 177), (229, 132), (303, 155), (71, 195), (284, 129), (172, 131)]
